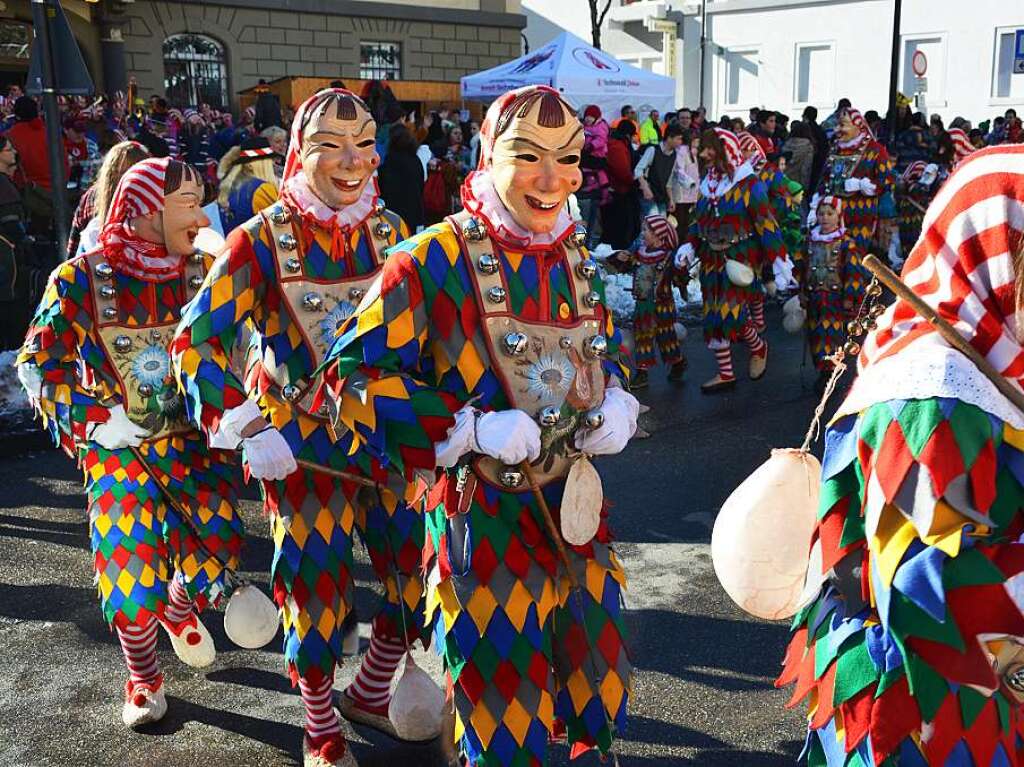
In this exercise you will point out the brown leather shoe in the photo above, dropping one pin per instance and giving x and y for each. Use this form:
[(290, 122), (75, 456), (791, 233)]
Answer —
[(759, 364), (717, 384)]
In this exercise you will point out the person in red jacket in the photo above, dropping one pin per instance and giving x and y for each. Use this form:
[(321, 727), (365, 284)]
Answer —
[(28, 134), (620, 218)]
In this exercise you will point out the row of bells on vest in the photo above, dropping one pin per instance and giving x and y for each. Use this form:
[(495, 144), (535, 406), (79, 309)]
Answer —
[(473, 229), (106, 272), (280, 217)]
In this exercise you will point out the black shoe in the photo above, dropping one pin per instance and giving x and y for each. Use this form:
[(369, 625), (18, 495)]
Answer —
[(675, 373), (638, 381)]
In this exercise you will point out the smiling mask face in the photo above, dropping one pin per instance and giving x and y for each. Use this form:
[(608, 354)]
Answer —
[(535, 165), (339, 152), (182, 218)]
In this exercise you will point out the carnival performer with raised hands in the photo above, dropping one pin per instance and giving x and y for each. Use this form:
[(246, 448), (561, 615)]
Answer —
[(295, 272), (911, 649), (163, 522), (733, 232), (859, 170), (485, 351)]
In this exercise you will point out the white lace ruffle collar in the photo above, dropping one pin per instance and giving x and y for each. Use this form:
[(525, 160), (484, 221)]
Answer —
[(484, 201), (297, 191)]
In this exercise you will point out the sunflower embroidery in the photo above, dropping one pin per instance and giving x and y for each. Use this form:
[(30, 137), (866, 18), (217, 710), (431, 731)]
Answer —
[(151, 366), (333, 321), (548, 378)]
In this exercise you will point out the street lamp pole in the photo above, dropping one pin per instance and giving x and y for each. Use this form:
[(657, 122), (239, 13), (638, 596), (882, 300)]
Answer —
[(703, 46), (41, 14), (894, 65)]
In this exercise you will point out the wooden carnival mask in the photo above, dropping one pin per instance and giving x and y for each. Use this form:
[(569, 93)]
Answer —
[(177, 225), (535, 158), (339, 151)]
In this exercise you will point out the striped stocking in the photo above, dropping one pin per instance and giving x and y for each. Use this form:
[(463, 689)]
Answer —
[(757, 313), (322, 722), (372, 686), (179, 606), (753, 341), (138, 643), (724, 359)]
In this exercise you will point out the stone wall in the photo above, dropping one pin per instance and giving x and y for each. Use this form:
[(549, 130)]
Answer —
[(269, 44)]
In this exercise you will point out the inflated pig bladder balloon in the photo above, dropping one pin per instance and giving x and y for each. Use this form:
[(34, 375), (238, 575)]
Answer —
[(761, 542)]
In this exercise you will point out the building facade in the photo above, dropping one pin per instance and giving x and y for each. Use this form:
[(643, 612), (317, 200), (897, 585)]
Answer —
[(787, 54), (193, 51)]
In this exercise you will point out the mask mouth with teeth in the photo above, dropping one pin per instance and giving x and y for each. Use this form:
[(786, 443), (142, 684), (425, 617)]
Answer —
[(531, 150)]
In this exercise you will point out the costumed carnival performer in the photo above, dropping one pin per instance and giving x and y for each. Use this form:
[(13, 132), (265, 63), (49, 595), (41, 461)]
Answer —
[(733, 232), (162, 509), (293, 273), (775, 183), (248, 182), (831, 281), (486, 342), (859, 170), (911, 650), (654, 315), (918, 184)]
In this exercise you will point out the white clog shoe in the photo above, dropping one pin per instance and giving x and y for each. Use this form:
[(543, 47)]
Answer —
[(192, 643), (143, 703)]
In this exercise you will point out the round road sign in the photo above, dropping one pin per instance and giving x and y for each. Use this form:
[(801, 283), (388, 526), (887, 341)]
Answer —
[(919, 63)]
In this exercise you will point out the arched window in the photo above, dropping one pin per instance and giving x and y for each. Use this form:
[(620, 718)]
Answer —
[(195, 71)]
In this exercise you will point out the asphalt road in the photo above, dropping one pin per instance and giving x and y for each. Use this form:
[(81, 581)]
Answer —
[(703, 693)]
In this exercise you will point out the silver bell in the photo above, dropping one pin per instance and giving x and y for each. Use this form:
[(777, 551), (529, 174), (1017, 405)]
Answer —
[(587, 268), (292, 265), (356, 294), (1016, 679), (379, 207), (487, 263), (287, 242), (107, 292), (104, 271), (155, 336), (592, 299), (595, 419), (382, 229), (290, 392), (109, 313), (565, 342), (549, 416), (473, 230), (280, 217), (515, 344), (496, 294), (578, 238), (596, 346), (122, 343), (510, 476), (198, 257), (312, 302), (146, 390), (195, 281)]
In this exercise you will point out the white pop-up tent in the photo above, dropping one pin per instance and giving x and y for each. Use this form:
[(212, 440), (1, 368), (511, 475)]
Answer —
[(582, 73)]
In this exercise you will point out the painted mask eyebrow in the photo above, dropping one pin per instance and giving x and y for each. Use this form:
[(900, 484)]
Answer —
[(513, 140)]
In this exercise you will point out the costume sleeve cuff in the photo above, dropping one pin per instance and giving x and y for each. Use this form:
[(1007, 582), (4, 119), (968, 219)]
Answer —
[(228, 434)]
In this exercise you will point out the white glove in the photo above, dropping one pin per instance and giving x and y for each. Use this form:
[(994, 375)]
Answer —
[(852, 185), (868, 188), (31, 380), (268, 455), (118, 432), (783, 268), (511, 436), (620, 410), (812, 214), (228, 435), (685, 256)]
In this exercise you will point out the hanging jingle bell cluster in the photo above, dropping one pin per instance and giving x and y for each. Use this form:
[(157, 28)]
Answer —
[(865, 321)]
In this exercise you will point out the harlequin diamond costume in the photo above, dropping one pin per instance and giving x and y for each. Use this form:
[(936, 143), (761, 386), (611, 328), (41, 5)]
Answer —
[(162, 517), (654, 318), (295, 272), (918, 184), (911, 653), (733, 233), (859, 170), (775, 183), (831, 282), (496, 316)]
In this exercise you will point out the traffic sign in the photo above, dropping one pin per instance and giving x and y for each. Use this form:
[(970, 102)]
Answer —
[(1018, 53), (921, 85), (919, 62), (72, 77)]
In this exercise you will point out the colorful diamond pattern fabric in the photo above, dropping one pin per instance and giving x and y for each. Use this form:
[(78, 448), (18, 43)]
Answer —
[(918, 525), (861, 211)]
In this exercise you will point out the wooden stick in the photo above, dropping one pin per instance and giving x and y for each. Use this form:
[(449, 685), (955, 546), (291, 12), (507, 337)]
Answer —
[(310, 466), (947, 331), (549, 522)]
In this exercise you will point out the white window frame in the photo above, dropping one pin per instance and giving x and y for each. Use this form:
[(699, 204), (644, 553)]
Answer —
[(930, 101), (1007, 101), (722, 54), (831, 99)]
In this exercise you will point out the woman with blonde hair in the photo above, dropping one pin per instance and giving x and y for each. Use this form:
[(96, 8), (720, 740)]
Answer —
[(248, 183), (92, 208)]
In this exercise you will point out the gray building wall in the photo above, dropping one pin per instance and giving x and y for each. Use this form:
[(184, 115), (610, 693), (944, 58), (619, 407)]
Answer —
[(265, 43)]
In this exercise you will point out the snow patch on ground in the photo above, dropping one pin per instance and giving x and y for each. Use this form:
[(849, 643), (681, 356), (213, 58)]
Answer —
[(618, 291), (12, 397)]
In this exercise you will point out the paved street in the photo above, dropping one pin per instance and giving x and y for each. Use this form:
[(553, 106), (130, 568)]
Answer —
[(703, 694)]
